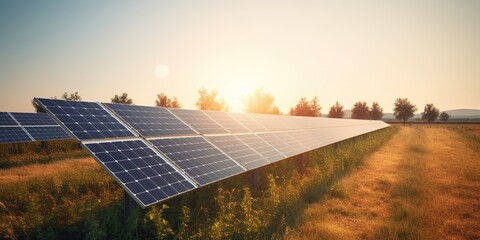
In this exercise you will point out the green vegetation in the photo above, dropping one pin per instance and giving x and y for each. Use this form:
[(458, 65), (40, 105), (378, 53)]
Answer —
[(21, 154), (88, 204)]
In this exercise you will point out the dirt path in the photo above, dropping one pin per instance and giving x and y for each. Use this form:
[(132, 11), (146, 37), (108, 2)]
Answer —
[(36, 170), (422, 184)]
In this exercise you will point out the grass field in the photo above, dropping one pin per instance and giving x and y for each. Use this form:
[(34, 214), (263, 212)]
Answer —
[(76, 199), (422, 184), (398, 183)]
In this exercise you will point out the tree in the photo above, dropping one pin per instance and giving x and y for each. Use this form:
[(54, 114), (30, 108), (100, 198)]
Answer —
[(208, 101), (430, 113), (403, 109), (307, 108), (70, 97), (123, 99), (260, 102), (336, 111), (444, 116), (376, 112), (360, 110), (164, 101)]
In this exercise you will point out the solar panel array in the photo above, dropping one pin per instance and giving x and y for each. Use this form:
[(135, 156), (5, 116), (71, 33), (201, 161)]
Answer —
[(156, 153), (18, 127)]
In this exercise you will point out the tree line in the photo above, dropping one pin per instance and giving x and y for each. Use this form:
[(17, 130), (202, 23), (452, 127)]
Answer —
[(262, 102)]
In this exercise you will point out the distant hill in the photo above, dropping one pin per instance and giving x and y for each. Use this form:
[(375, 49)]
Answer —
[(464, 113), (454, 113)]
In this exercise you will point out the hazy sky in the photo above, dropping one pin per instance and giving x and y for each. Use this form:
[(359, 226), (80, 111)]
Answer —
[(346, 51)]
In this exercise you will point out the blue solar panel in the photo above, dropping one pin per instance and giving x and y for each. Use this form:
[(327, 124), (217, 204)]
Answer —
[(199, 121), (150, 121), (86, 120), (227, 122), (46, 133), (7, 120), (139, 170), (239, 151), (262, 147), (198, 158), (13, 134), (33, 118)]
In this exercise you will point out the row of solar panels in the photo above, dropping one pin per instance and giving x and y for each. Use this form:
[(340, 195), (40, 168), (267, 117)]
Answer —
[(156, 153), (25, 127)]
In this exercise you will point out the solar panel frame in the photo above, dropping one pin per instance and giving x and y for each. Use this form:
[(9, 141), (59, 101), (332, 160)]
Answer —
[(47, 133), (150, 121), (146, 175), (238, 150), (86, 120), (198, 158), (33, 119), (13, 134), (198, 121)]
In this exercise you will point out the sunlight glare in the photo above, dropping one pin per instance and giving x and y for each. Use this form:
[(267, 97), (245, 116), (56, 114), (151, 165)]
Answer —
[(237, 89)]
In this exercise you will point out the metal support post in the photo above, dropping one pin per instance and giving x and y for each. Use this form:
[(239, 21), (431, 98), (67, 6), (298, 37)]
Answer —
[(128, 206), (301, 163), (254, 178)]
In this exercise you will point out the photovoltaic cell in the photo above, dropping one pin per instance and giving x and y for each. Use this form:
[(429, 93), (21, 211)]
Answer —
[(13, 134), (141, 171), (198, 158), (150, 121), (239, 151), (47, 133), (86, 120), (199, 121), (33, 119), (293, 140), (227, 122), (6, 120), (248, 122), (285, 148), (275, 122), (262, 147)]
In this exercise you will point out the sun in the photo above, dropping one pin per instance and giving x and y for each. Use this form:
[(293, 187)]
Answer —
[(162, 71), (237, 89)]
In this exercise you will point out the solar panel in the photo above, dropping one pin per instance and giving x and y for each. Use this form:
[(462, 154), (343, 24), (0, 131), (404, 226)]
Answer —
[(227, 122), (260, 146), (239, 151), (47, 133), (199, 121), (7, 120), (13, 134), (33, 119), (274, 122), (139, 170), (198, 158), (86, 120), (292, 139), (247, 121), (273, 139), (150, 121)]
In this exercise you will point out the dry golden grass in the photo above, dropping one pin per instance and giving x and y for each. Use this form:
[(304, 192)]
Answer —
[(453, 171), (423, 184), (16, 174), (366, 200)]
